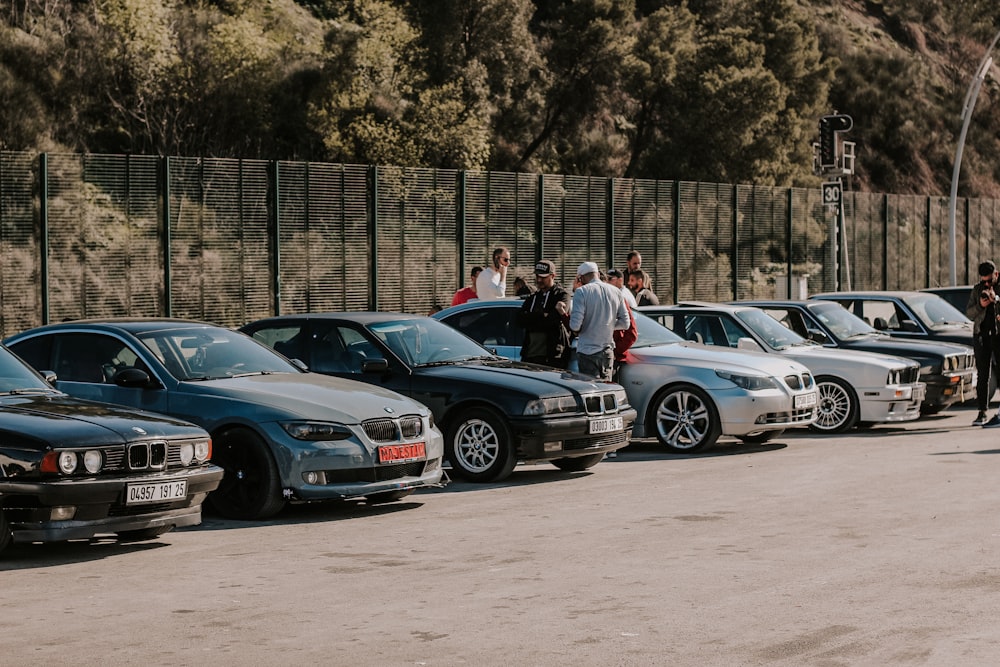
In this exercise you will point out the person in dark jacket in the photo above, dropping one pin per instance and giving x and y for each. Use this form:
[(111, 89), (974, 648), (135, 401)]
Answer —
[(544, 316), (982, 310)]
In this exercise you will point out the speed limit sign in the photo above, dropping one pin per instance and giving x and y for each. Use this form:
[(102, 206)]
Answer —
[(832, 193)]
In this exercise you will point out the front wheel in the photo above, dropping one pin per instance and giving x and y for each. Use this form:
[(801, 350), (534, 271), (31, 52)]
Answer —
[(480, 447), (685, 418), (250, 487), (838, 406), (578, 463)]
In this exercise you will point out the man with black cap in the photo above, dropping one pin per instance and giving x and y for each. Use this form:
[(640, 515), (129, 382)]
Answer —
[(982, 310), (545, 318)]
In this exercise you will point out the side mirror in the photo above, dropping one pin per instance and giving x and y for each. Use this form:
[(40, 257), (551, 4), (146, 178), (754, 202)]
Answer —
[(909, 325), (133, 377), (374, 366), (748, 344), (298, 363), (49, 376)]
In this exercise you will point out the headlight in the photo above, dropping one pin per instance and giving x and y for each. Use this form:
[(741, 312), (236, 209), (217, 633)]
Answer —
[(550, 406), (92, 461), (203, 450), (67, 462), (748, 382), (621, 398), (316, 430), (187, 453)]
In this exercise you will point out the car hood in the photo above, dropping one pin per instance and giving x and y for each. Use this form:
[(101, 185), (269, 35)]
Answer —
[(696, 354), (311, 396), (58, 419), (905, 347), (809, 354), (508, 375)]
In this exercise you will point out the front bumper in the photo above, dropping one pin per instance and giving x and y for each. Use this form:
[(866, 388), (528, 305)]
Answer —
[(744, 412), (949, 389), (548, 438), (99, 505), (895, 403)]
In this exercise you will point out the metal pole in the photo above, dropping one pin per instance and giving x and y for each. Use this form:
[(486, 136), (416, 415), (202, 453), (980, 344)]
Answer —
[(970, 103)]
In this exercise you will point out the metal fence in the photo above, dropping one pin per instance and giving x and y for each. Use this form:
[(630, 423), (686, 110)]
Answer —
[(228, 241)]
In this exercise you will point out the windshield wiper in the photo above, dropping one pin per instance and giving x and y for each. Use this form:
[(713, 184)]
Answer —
[(30, 391), (445, 362)]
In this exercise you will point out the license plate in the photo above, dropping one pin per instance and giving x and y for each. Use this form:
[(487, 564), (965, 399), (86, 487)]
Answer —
[(416, 451), (136, 494), (805, 400), (606, 425)]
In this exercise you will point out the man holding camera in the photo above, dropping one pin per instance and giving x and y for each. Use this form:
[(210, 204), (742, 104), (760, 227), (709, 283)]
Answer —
[(982, 310)]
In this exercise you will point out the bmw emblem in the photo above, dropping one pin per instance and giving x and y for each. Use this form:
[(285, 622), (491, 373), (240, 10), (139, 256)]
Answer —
[(139, 430), (388, 409)]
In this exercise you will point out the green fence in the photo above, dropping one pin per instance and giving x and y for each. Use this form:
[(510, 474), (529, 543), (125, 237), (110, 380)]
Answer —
[(228, 241)]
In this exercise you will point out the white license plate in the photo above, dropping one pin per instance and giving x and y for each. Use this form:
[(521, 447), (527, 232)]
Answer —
[(805, 400), (606, 425), (136, 494)]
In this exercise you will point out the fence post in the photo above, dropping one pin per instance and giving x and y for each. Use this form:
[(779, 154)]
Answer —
[(885, 241), (790, 247), (163, 185), (43, 230), (373, 237), (677, 236), (734, 267), (540, 217), (460, 227), (609, 219), (274, 229), (927, 242)]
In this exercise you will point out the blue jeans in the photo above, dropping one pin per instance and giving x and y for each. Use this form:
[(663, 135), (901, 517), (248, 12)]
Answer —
[(599, 365)]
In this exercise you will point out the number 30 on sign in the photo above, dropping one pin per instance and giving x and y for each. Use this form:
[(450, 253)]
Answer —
[(832, 192)]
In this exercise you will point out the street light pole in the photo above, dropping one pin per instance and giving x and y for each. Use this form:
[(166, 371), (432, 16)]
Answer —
[(967, 107)]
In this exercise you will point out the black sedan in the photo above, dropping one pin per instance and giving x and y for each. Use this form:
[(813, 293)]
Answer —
[(907, 314), (493, 411), (75, 469), (948, 369)]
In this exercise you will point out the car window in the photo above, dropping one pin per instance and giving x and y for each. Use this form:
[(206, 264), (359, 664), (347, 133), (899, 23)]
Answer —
[(37, 352), (933, 310), (339, 349), (707, 329), (15, 375), (489, 326), (789, 318), (286, 339), (882, 314), (91, 357), (200, 353)]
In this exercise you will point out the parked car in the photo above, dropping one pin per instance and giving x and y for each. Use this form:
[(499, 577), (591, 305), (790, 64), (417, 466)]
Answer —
[(947, 369), (74, 469), (956, 295), (494, 412), (907, 314), (854, 387), (685, 395), (281, 434)]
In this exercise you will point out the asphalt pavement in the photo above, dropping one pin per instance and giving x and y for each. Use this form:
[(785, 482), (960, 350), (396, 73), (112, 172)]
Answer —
[(879, 547)]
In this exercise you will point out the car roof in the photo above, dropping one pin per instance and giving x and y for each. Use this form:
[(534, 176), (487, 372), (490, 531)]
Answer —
[(689, 305), (132, 325), (897, 294), (773, 302), (364, 317)]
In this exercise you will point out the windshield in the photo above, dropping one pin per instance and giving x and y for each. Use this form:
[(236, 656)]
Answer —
[(775, 334), (16, 377), (935, 311), (841, 322), (210, 353), (651, 332), (423, 341)]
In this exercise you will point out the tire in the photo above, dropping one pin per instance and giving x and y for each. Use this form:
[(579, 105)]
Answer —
[(685, 419), (142, 534), (578, 463), (6, 537), (760, 438), (480, 447), (250, 487), (388, 496), (838, 406)]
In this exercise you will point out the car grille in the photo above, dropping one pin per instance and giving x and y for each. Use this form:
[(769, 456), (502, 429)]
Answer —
[(907, 375), (379, 474), (597, 404), (391, 430), (145, 455), (793, 417), (804, 381), (609, 440)]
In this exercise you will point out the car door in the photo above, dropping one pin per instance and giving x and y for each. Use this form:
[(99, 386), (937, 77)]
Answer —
[(85, 364)]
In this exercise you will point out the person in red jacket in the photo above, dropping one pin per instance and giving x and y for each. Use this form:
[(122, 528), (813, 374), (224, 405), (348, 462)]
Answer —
[(467, 293), (623, 338)]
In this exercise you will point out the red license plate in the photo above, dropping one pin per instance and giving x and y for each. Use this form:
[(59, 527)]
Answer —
[(401, 453)]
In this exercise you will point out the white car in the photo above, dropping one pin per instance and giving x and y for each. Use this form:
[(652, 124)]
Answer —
[(854, 387), (686, 395)]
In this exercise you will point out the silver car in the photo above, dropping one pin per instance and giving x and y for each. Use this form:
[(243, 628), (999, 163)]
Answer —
[(686, 395), (279, 433), (854, 387)]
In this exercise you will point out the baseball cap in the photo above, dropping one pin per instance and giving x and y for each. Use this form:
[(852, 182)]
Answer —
[(545, 268), (615, 273), (587, 267)]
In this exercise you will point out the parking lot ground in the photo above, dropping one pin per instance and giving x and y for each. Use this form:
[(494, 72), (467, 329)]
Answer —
[(879, 547)]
